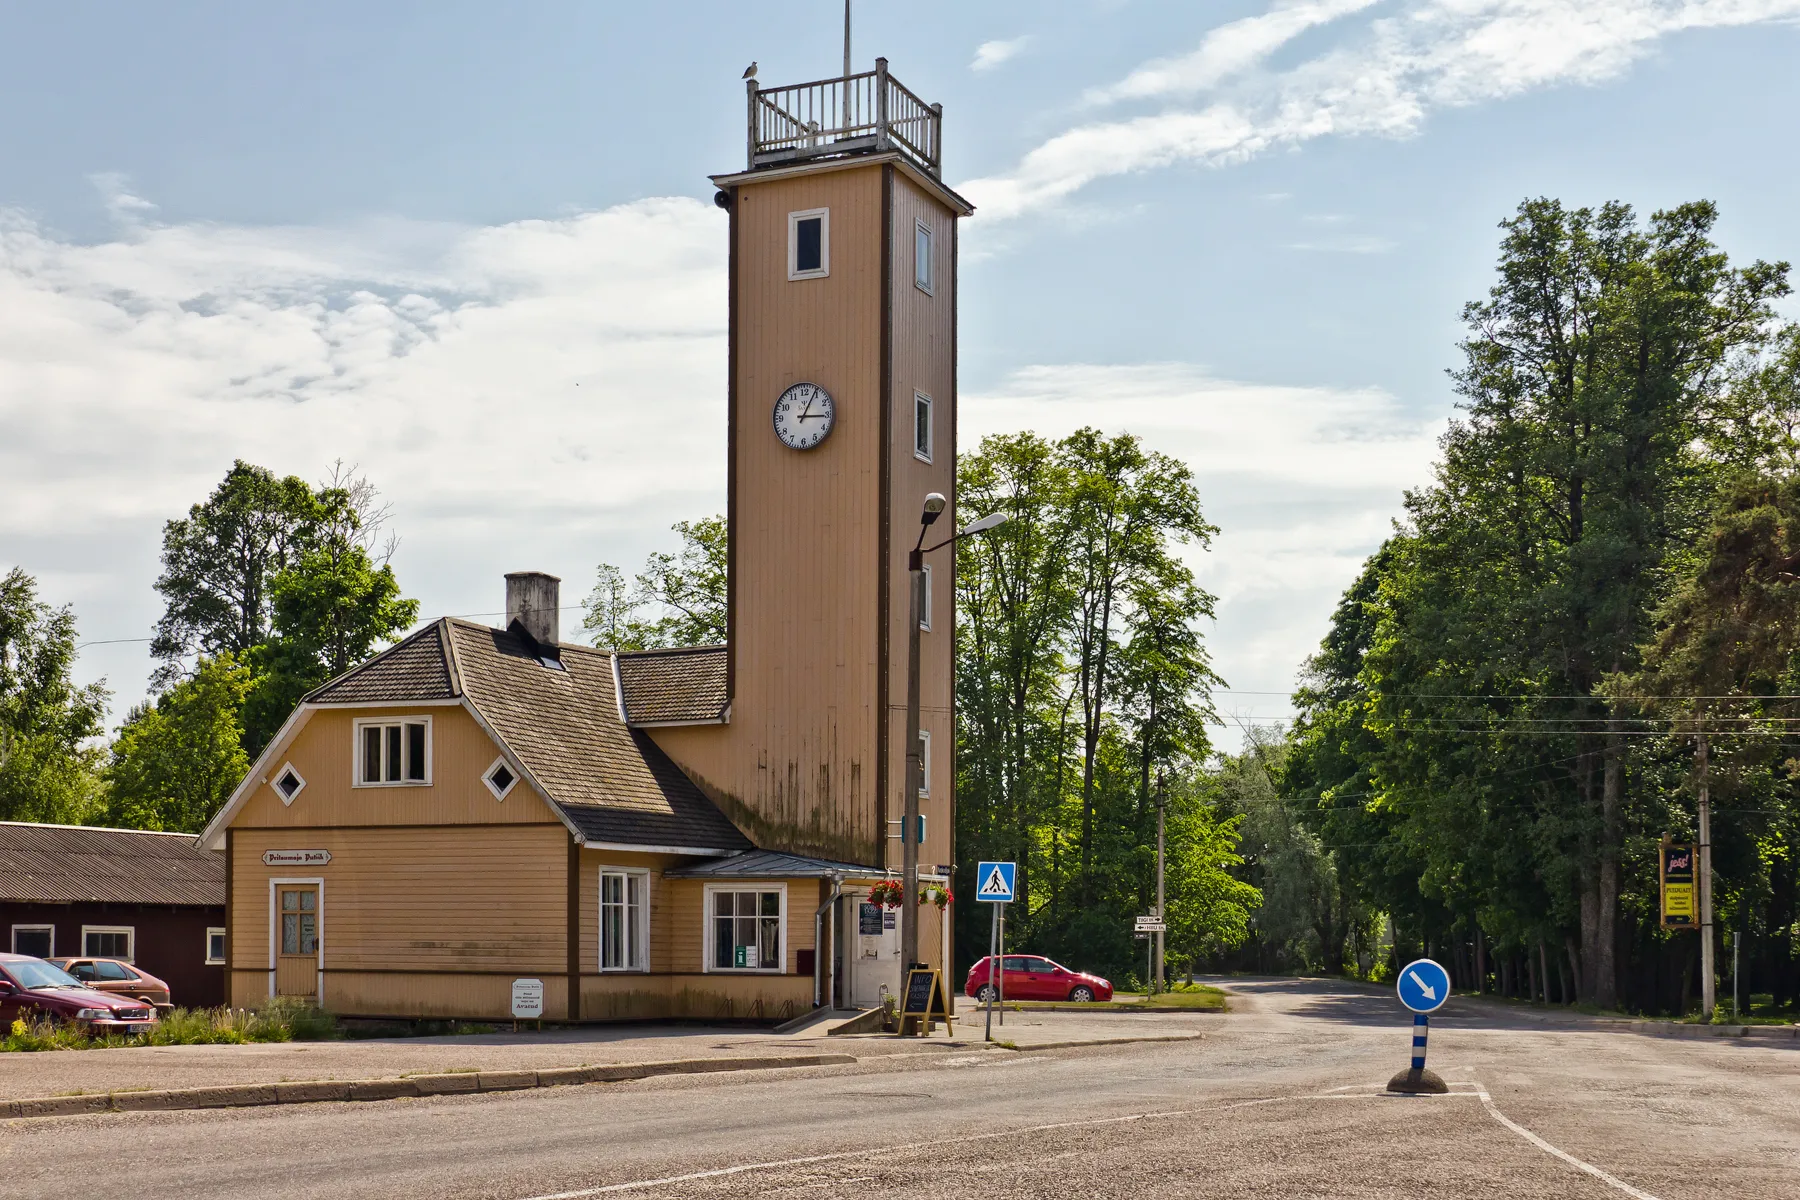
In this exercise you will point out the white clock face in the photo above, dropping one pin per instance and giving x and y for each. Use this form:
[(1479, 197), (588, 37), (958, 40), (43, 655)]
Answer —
[(803, 416)]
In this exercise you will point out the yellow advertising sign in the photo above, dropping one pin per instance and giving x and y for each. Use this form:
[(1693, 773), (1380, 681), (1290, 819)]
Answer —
[(1677, 876)]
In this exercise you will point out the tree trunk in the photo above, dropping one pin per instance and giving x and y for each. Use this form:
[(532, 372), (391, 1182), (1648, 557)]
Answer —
[(1570, 995), (1480, 961), (1603, 954)]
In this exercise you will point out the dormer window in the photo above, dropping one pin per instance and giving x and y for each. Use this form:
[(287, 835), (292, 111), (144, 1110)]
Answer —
[(393, 752)]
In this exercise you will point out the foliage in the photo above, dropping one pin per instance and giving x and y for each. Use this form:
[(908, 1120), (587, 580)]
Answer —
[(47, 772), (280, 1019), (1480, 727), (676, 600), (1082, 679), (176, 761)]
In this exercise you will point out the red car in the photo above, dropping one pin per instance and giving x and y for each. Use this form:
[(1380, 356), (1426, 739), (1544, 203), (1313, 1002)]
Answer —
[(31, 988), (1030, 977)]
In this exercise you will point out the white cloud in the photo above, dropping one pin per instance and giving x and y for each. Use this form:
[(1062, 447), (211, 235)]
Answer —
[(1227, 51), (1346, 245), (989, 55), (1303, 484), (1382, 80), (539, 394)]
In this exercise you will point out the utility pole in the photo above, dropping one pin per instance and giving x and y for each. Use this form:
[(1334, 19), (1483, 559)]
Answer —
[(1162, 805), (1707, 996)]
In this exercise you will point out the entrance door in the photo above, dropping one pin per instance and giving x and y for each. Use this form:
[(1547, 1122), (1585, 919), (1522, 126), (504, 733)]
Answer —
[(297, 939)]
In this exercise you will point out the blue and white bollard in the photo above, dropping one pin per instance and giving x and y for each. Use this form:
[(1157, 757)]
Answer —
[(1421, 1027), (1423, 987)]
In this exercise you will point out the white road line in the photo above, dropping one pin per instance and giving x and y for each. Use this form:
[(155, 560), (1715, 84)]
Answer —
[(1487, 1102), (638, 1185)]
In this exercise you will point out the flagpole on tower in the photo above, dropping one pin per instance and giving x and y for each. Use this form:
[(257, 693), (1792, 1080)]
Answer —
[(846, 39)]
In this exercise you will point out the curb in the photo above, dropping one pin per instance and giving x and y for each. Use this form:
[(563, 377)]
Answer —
[(1125, 1041), (406, 1087)]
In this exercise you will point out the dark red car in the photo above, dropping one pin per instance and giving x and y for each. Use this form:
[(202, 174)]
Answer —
[(1031, 977), (33, 989)]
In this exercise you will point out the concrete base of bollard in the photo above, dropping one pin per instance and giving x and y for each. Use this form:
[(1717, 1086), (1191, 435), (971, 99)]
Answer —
[(1418, 1083)]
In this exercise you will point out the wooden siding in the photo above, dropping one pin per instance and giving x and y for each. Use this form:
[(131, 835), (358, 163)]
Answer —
[(796, 766), (324, 755), (446, 899)]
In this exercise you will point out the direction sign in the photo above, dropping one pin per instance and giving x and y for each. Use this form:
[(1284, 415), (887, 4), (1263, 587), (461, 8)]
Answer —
[(1151, 925), (1423, 985), (994, 882)]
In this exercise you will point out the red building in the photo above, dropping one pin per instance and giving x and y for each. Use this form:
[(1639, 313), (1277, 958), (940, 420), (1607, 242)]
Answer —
[(152, 899)]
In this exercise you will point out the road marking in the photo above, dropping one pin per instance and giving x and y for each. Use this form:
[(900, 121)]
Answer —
[(1487, 1102), (638, 1185)]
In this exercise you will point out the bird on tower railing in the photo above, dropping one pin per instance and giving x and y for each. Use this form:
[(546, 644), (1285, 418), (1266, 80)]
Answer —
[(750, 71)]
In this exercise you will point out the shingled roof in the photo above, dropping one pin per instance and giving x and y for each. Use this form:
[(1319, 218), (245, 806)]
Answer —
[(418, 668), (69, 864), (674, 687), (613, 783)]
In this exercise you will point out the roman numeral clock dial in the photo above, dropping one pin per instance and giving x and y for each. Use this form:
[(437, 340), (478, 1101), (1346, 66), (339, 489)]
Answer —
[(803, 416)]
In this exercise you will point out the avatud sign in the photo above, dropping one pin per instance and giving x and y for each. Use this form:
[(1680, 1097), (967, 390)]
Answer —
[(296, 858), (528, 999)]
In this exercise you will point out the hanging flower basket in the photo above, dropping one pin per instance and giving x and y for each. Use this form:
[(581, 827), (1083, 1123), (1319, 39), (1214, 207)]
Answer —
[(935, 893), (888, 893)]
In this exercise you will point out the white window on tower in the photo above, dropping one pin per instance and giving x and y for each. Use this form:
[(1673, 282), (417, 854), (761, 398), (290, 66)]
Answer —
[(925, 607), (924, 763), (809, 244), (393, 752), (922, 257), (922, 427)]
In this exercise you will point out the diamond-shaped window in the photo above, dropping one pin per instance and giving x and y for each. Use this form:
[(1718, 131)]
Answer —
[(288, 784), (500, 779)]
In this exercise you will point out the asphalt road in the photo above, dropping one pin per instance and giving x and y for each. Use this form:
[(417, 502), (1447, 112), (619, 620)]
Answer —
[(1283, 1100)]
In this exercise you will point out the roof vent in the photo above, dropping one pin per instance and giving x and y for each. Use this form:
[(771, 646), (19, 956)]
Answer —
[(533, 599)]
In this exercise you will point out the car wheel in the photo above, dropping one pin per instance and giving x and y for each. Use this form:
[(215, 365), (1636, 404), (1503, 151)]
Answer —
[(1082, 995), (986, 993)]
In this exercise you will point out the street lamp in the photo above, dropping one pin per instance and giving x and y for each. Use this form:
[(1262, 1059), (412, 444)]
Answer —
[(915, 765)]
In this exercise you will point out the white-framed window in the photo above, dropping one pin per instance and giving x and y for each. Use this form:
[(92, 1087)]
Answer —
[(746, 927), (924, 762), (109, 941), (922, 427), (393, 752), (287, 783), (500, 778), (925, 606), (39, 941), (922, 257), (809, 243), (624, 919), (215, 946)]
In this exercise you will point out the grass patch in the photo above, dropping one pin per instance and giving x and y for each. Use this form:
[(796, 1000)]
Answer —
[(282, 1019)]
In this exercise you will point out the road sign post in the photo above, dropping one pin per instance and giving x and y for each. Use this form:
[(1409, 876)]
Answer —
[(1423, 987), (995, 883)]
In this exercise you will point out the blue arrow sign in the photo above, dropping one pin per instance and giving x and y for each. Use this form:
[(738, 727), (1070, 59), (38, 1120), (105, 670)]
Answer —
[(994, 882), (1423, 986)]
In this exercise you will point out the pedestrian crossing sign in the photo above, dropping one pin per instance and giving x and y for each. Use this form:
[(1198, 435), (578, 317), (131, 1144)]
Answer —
[(994, 882)]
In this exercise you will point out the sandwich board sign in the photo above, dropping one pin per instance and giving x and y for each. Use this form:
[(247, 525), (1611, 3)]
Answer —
[(527, 999), (994, 882)]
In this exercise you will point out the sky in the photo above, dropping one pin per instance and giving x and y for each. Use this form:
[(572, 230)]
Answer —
[(471, 250)]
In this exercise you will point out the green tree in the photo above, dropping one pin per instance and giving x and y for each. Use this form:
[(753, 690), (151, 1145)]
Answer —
[(47, 772), (678, 599), (177, 760), (220, 560)]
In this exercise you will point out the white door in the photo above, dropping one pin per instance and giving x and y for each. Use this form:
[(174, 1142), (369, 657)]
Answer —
[(875, 957)]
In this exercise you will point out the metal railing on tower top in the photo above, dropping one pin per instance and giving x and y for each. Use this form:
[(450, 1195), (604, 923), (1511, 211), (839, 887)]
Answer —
[(872, 111)]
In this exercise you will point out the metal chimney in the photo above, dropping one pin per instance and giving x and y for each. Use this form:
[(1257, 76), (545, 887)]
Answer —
[(533, 599)]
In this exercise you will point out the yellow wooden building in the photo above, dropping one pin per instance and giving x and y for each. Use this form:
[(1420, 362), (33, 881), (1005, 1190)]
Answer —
[(691, 832)]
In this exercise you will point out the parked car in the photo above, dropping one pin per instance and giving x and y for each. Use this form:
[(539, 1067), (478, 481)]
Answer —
[(1032, 977), (118, 977), (32, 988)]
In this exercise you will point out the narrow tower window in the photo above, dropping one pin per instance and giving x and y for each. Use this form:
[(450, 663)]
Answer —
[(922, 257), (921, 427), (809, 244)]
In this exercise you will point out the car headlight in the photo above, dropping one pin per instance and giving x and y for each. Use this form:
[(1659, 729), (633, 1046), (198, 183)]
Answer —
[(91, 1014)]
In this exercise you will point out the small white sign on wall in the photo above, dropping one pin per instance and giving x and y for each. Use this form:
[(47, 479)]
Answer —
[(528, 999), (296, 858)]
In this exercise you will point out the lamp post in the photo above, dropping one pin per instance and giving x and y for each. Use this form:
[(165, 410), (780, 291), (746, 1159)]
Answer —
[(915, 765)]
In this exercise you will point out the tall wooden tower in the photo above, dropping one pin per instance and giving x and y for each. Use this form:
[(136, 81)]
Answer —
[(842, 420)]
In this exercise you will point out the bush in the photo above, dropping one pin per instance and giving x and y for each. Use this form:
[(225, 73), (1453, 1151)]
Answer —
[(281, 1019)]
